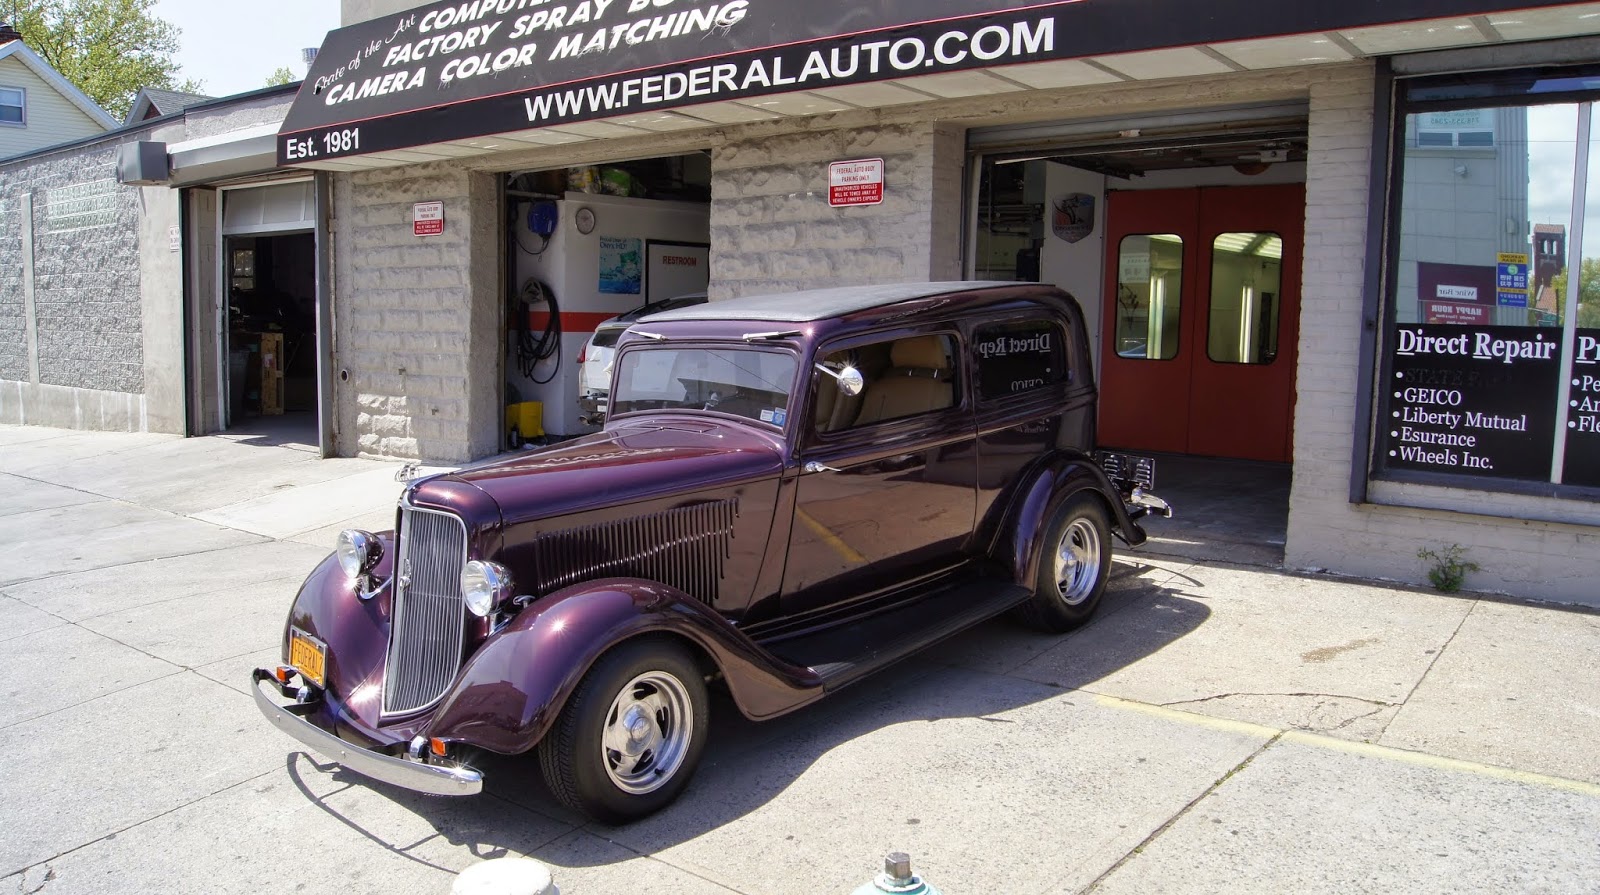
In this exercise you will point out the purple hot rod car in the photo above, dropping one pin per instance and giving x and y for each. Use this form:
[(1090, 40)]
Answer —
[(790, 493)]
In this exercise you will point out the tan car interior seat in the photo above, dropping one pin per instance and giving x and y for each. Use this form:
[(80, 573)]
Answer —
[(918, 381), (836, 410)]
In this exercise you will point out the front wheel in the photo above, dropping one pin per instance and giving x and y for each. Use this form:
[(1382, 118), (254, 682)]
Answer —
[(629, 738), (1073, 567)]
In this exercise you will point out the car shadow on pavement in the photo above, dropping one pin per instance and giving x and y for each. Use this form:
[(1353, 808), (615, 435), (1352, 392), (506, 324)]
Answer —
[(747, 764)]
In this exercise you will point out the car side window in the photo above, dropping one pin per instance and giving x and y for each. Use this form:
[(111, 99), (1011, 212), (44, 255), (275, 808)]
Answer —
[(904, 378), (1019, 357)]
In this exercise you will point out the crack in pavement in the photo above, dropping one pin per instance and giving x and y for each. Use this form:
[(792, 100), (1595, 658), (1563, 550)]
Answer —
[(135, 562), (176, 670), (1361, 717), (1180, 814), (23, 871), (1429, 670), (49, 877), (1377, 702)]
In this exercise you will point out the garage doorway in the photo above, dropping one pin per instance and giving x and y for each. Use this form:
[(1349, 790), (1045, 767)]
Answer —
[(1180, 236), (256, 372), (584, 245)]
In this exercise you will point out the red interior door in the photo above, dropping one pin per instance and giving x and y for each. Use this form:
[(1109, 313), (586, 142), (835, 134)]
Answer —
[(1144, 366), (1202, 320)]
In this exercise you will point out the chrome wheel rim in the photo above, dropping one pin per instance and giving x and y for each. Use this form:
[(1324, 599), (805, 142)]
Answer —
[(1077, 562), (647, 732)]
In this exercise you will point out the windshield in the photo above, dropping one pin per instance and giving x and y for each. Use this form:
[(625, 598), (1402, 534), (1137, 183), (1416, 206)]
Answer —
[(745, 382)]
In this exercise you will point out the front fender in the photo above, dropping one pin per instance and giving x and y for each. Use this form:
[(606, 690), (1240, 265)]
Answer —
[(1056, 479), (357, 634), (514, 687)]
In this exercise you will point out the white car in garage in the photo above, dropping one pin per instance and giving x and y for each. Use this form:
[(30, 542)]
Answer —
[(594, 362)]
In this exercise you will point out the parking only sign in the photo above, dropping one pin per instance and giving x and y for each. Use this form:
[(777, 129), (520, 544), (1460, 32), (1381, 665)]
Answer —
[(427, 219), (858, 182)]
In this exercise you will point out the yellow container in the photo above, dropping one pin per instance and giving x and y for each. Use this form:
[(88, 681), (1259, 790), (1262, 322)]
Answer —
[(527, 418)]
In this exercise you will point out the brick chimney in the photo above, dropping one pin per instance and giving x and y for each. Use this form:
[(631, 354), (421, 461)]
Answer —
[(8, 34)]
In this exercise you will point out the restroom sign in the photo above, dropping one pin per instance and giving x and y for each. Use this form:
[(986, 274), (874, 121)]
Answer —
[(427, 219), (858, 182)]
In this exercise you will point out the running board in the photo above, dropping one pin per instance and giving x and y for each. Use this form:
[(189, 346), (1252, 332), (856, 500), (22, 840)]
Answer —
[(844, 654)]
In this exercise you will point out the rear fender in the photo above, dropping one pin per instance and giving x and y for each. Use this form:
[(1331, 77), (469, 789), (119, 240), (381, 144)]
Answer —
[(515, 686), (1053, 482)]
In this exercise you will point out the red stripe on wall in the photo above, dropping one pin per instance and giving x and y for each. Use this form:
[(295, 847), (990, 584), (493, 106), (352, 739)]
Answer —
[(571, 321)]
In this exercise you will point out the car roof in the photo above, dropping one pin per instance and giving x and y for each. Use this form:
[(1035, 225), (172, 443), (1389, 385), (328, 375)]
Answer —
[(666, 304), (819, 304)]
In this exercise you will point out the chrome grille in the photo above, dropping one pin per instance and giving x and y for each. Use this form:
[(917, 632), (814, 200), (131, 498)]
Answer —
[(686, 548), (425, 637)]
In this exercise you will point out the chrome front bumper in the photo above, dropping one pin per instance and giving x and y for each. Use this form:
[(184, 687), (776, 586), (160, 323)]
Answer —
[(435, 780)]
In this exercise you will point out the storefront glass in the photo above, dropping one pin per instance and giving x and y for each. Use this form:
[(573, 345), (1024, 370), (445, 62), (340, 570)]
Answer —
[(1491, 369)]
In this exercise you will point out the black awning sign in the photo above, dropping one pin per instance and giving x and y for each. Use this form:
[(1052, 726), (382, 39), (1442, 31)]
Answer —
[(459, 69)]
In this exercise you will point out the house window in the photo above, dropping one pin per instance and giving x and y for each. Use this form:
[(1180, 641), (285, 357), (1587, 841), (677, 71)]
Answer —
[(13, 106)]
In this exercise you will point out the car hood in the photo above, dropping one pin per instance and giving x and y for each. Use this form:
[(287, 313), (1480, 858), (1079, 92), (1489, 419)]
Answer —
[(631, 462)]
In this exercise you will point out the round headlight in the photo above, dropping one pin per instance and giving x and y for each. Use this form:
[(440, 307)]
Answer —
[(485, 585), (358, 552)]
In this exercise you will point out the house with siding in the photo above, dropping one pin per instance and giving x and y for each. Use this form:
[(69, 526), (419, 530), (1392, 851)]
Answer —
[(39, 107)]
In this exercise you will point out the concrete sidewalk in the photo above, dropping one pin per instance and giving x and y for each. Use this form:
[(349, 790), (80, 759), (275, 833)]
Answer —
[(1218, 728)]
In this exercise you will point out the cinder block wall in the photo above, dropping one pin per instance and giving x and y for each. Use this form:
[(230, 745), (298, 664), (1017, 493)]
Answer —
[(1538, 559), (71, 335), (13, 313), (417, 318), (772, 229)]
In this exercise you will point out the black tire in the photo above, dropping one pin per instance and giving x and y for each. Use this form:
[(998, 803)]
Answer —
[(1074, 563), (581, 766)]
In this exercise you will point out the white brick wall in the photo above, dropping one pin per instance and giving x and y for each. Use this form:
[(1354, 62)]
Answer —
[(1542, 560), (772, 229), (417, 319)]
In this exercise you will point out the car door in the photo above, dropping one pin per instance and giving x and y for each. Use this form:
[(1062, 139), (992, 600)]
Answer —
[(886, 496)]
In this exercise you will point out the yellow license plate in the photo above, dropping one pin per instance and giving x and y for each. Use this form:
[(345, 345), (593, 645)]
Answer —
[(308, 655)]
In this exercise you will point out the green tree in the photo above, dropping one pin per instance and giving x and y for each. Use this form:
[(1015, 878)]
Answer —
[(109, 48), (1588, 294), (281, 77)]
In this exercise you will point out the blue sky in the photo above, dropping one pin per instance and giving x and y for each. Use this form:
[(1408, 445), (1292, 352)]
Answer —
[(234, 46)]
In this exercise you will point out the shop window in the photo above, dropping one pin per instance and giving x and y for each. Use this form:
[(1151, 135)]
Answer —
[(1149, 296), (1491, 353), (13, 106), (1246, 283), (1014, 358)]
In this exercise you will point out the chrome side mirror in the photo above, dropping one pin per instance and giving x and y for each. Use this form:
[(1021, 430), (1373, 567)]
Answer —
[(850, 380)]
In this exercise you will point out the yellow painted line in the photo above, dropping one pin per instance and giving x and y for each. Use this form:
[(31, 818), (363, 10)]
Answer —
[(1226, 725), (828, 537), (1354, 747), (1440, 763)]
